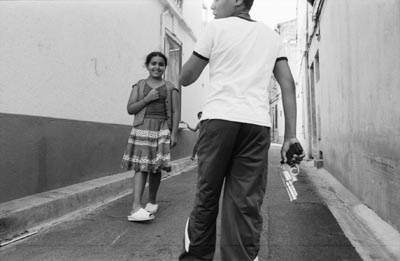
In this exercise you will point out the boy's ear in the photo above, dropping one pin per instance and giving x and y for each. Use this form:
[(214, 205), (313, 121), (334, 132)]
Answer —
[(238, 2)]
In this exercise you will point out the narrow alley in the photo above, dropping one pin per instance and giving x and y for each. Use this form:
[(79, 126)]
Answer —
[(302, 230)]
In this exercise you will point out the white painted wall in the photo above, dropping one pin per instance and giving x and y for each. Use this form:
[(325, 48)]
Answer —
[(304, 23), (357, 99), (194, 96), (78, 59)]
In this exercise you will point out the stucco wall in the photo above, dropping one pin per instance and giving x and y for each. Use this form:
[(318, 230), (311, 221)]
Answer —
[(357, 98), (73, 60)]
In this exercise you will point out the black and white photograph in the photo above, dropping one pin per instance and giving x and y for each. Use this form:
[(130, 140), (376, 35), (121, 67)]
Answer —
[(199, 130)]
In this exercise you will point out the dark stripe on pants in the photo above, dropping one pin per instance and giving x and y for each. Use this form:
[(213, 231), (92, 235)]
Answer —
[(236, 153)]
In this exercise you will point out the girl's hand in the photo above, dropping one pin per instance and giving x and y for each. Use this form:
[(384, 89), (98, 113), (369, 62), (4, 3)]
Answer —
[(174, 139), (152, 95)]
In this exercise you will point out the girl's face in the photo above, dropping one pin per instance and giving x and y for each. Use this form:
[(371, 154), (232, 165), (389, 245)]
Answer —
[(223, 8), (156, 67)]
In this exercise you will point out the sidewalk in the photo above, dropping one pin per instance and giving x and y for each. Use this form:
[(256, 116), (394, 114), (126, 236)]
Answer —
[(325, 223), (27, 216), (373, 238)]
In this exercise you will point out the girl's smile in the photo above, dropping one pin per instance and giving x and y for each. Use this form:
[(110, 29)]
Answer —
[(156, 67)]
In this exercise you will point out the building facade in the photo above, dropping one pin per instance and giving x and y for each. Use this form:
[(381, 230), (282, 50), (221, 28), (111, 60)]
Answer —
[(66, 73), (351, 76)]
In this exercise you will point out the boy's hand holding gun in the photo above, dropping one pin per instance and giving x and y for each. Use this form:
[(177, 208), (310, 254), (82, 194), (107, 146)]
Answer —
[(292, 154)]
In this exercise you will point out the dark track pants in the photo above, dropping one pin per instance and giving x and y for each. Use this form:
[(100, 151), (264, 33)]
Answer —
[(236, 153)]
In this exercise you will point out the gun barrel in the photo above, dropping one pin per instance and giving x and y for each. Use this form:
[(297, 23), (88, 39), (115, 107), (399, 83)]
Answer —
[(288, 183)]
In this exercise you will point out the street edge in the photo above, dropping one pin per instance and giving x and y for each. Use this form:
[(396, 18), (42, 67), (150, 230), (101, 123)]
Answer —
[(373, 238), (40, 211)]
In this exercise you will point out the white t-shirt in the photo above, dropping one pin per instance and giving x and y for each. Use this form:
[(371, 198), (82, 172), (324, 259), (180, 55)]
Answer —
[(241, 55)]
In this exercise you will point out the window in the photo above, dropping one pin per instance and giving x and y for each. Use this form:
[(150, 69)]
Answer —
[(173, 51)]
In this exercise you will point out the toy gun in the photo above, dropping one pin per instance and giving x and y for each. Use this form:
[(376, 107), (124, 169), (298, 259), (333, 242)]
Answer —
[(291, 169), (288, 176)]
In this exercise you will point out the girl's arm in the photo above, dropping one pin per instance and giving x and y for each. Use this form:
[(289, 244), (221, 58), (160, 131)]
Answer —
[(134, 106), (175, 117)]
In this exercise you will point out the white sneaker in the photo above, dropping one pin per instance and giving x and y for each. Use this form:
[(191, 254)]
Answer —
[(151, 208)]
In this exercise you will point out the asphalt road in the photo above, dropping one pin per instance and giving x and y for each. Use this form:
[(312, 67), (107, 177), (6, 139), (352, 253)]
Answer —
[(293, 231)]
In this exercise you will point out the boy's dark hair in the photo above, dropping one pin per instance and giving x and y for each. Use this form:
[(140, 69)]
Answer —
[(248, 4), (154, 54), (199, 113)]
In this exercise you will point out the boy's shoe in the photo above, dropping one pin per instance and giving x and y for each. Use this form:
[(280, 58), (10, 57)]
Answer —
[(151, 208)]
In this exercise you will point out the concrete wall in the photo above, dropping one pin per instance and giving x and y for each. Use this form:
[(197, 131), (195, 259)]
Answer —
[(39, 154), (66, 72), (357, 99), (301, 78)]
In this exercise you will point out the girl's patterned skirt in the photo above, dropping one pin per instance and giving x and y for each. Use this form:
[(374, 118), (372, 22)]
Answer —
[(148, 148)]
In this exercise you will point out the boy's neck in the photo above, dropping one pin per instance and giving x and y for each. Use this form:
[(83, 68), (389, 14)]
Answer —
[(242, 14)]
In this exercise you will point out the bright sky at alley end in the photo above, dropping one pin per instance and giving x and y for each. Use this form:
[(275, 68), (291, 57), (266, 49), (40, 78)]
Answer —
[(271, 12)]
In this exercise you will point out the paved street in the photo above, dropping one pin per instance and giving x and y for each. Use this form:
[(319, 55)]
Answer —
[(304, 230)]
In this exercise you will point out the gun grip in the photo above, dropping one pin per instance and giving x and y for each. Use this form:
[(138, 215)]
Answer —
[(295, 148)]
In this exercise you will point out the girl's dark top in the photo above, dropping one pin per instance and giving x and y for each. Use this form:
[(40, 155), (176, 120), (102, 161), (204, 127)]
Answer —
[(156, 109)]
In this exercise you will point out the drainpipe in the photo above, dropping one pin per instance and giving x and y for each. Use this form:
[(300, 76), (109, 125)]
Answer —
[(307, 84), (316, 19)]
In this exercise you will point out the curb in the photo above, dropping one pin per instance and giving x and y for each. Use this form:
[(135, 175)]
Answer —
[(373, 238), (26, 216)]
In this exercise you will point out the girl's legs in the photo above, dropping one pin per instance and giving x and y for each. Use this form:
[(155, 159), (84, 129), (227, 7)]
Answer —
[(139, 183), (154, 184)]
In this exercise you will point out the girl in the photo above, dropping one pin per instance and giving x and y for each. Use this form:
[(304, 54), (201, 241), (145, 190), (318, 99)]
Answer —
[(155, 104)]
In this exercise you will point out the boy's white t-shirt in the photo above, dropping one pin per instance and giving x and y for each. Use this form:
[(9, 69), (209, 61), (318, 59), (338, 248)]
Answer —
[(241, 55)]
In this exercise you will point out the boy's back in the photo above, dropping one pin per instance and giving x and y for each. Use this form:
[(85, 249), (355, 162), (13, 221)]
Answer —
[(242, 55)]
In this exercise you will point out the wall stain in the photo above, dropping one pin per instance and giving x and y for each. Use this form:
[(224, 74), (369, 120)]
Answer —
[(96, 71)]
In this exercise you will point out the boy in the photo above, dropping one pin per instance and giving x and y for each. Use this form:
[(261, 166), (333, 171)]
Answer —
[(235, 134), (194, 130)]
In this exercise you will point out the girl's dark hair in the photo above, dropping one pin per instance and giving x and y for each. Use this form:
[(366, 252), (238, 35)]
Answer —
[(154, 54)]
